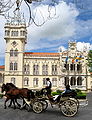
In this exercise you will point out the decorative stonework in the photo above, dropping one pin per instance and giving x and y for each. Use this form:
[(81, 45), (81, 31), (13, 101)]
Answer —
[(14, 43)]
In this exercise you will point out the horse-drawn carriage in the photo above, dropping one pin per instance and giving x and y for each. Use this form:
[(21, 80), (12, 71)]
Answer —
[(39, 101), (66, 102)]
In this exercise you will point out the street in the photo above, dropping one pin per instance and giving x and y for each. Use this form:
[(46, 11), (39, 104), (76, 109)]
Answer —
[(84, 113)]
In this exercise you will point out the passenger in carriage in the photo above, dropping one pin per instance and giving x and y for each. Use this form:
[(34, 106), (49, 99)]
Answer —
[(69, 92)]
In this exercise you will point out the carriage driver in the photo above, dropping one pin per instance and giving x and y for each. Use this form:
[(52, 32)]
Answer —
[(48, 86)]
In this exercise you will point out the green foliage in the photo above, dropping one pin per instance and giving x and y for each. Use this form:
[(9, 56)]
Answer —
[(78, 90), (1, 95), (80, 94), (59, 91), (90, 60), (55, 93)]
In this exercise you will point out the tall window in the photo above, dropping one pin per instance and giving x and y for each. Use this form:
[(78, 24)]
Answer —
[(72, 66), (79, 81), (79, 67), (1, 78), (16, 53), (22, 33), (11, 52), (7, 33), (36, 69), (13, 66), (44, 82), (13, 80), (66, 81), (26, 81), (35, 82), (66, 66), (73, 81), (26, 69), (14, 33), (45, 70), (54, 69), (54, 82)]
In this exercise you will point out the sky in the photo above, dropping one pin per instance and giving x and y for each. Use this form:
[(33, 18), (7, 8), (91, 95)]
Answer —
[(64, 21)]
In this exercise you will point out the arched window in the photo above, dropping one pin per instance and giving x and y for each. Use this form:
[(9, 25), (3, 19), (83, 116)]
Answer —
[(35, 82), (13, 80), (15, 66), (79, 81), (45, 70), (7, 32), (16, 53), (44, 82), (66, 81), (54, 69), (36, 69), (11, 66), (11, 52), (79, 67), (1, 78), (72, 66), (27, 69), (54, 82), (26, 81), (73, 81), (12, 33)]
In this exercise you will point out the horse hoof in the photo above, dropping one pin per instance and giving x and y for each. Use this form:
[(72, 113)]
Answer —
[(14, 108), (4, 107), (21, 108), (9, 106)]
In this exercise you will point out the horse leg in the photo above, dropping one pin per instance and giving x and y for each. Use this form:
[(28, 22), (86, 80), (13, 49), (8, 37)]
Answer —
[(17, 103), (6, 102), (13, 100), (24, 104), (10, 103)]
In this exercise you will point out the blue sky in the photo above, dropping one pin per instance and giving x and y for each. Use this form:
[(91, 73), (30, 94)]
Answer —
[(67, 20)]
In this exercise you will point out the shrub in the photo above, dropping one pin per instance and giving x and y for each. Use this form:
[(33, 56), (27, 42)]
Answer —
[(1, 95), (59, 91), (55, 93), (78, 90)]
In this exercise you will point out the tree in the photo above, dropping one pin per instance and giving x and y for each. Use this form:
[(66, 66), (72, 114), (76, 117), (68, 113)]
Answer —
[(90, 60)]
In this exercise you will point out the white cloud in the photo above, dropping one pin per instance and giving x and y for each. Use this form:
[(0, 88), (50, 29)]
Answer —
[(84, 46), (61, 49), (62, 27)]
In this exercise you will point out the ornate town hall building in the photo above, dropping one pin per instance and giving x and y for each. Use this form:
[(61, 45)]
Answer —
[(30, 69)]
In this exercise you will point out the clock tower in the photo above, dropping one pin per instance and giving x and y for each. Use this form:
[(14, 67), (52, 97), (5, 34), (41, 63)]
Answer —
[(15, 37)]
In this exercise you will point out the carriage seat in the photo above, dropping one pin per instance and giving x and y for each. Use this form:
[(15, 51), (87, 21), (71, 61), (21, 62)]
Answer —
[(69, 93)]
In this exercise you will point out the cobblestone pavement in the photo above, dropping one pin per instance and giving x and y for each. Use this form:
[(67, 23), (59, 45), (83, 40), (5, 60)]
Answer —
[(84, 113)]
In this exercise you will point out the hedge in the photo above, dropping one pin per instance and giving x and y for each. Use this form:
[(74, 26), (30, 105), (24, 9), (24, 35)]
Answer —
[(1, 95), (80, 94)]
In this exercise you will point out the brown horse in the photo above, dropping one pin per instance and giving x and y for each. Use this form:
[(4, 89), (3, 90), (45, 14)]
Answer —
[(16, 93)]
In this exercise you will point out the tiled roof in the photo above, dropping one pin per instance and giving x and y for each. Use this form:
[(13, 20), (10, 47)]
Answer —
[(41, 53), (2, 67)]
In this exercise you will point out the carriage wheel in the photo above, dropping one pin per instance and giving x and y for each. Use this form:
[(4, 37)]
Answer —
[(69, 108), (45, 104), (37, 107), (76, 100)]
